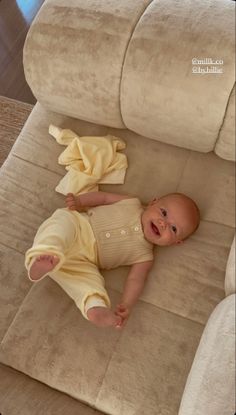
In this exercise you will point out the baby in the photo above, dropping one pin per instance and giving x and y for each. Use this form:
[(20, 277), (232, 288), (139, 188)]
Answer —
[(100, 230)]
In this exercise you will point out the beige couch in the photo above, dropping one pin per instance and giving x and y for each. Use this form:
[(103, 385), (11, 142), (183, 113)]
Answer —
[(125, 67)]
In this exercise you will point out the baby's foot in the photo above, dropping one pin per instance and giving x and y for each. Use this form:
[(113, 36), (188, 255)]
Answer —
[(103, 317), (42, 265)]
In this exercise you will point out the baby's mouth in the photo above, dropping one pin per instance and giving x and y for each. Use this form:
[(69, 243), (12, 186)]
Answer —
[(155, 229)]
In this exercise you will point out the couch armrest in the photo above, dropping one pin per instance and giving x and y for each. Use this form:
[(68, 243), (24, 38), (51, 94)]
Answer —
[(230, 272), (210, 384)]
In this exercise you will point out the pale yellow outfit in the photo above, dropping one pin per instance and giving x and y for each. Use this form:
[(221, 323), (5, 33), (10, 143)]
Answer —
[(104, 237), (89, 161)]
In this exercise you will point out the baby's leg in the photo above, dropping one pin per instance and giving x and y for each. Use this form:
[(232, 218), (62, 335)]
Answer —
[(52, 241), (85, 285)]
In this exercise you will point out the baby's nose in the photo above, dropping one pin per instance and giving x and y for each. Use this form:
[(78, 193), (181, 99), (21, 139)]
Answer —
[(162, 223)]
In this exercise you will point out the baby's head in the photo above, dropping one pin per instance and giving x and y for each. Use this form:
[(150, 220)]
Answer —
[(170, 219)]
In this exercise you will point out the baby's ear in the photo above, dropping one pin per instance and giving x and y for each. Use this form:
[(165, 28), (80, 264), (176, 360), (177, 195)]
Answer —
[(153, 201)]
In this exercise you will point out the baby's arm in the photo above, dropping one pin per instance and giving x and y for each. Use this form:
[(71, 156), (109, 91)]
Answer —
[(90, 199), (133, 288)]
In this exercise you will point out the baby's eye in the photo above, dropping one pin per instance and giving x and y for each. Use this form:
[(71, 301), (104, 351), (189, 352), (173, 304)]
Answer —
[(174, 229), (164, 212)]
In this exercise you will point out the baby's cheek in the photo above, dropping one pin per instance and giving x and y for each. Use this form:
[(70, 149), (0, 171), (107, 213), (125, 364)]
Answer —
[(169, 239)]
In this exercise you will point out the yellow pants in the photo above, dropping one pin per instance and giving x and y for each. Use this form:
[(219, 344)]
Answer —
[(68, 235)]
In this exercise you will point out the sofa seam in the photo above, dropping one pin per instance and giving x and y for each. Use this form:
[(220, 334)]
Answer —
[(183, 170), (11, 323), (218, 223), (161, 308), (105, 372), (176, 314), (10, 247), (56, 388), (35, 165), (125, 54), (224, 117)]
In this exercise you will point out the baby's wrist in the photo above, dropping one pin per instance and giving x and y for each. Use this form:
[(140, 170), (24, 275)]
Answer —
[(79, 205), (78, 202)]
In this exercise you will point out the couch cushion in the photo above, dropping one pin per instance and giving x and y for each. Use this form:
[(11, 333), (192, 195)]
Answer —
[(160, 96), (14, 285), (81, 45), (130, 65), (37, 399), (184, 286), (210, 386), (118, 372)]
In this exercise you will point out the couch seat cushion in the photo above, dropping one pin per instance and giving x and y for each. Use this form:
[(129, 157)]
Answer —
[(144, 367), (118, 372), (37, 398)]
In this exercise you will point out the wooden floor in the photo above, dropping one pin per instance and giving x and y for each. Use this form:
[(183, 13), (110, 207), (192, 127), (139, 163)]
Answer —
[(15, 19)]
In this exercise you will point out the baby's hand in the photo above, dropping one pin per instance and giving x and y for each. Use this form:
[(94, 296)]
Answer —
[(122, 311), (71, 201)]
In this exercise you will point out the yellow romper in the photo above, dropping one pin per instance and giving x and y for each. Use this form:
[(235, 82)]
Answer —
[(104, 237)]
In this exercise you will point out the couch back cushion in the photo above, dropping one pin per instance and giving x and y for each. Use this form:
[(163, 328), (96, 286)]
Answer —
[(131, 65), (225, 146), (161, 96), (74, 53)]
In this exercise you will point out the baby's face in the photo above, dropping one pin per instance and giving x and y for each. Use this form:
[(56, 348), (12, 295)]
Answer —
[(168, 220)]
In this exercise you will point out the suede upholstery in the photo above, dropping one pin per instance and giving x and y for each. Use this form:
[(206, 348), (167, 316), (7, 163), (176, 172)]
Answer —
[(114, 65), (21, 395)]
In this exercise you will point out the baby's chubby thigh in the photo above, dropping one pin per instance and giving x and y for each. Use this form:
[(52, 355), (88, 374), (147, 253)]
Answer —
[(56, 236)]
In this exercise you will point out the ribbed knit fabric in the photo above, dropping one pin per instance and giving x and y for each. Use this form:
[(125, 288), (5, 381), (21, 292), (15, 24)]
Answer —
[(118, 231)]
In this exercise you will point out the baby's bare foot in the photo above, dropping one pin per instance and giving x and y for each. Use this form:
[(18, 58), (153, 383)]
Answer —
[(42, 265), (103, 317)]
